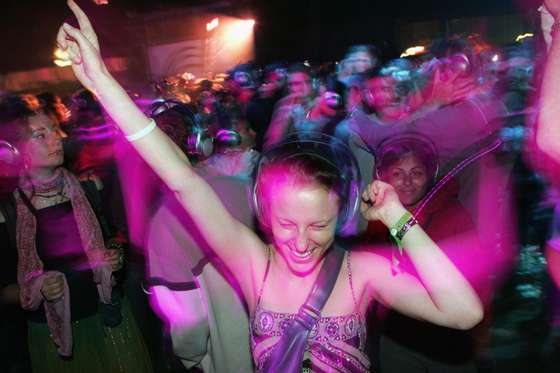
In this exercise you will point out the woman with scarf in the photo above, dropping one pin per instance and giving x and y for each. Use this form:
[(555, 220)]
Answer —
[(64, 272)]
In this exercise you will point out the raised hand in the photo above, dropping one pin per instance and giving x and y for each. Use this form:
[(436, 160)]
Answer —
[(449, 87), (381, 202), (83, 47)]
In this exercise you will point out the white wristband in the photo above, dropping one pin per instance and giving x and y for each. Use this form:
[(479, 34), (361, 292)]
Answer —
[(143, 132)]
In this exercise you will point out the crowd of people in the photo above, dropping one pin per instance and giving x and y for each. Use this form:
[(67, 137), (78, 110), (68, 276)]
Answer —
[(349, 217)]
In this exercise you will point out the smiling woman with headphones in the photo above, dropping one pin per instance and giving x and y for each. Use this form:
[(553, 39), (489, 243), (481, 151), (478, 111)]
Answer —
[(300, 286), (409, 162)]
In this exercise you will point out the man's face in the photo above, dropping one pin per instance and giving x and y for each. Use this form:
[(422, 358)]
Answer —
[(380, 96), (299, 84)]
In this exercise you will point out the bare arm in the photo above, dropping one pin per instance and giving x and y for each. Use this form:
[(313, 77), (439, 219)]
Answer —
[(280, 122), (226, 235), (548, 131), (443, 296)]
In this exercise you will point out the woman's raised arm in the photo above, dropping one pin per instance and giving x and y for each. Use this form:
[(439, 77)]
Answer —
[(548, 130), (442, 296), (225, 235)]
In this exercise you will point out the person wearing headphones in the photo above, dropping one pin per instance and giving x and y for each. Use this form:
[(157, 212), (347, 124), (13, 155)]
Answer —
[(409, 162), (303, 193)]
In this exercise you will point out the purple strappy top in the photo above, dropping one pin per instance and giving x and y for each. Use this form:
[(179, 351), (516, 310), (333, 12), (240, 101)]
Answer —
[(335, 344)]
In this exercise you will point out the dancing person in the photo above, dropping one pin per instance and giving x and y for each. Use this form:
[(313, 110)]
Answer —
[(291, 112), (299, 199), (64, 271), (184, 275), (358, 59), (410, 164), (261, 107)]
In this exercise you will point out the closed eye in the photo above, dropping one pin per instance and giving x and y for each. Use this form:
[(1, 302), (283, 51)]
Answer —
[(286, 225), (319, 226)]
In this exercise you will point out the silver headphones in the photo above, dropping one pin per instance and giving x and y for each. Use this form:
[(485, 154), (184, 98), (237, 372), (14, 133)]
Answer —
[(328, 149), (404, 139)]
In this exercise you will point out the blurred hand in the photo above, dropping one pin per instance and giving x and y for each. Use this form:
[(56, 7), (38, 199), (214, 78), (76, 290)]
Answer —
[(53, 288), (114, 258), (381, 202), (450, 87), (83, 47)]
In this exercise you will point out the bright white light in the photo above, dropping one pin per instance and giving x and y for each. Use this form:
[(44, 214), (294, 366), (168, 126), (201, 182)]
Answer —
[(62, 58), (523, 36), (413, 51), (495, 58), (213, 24), (240, 30), (62, 63)]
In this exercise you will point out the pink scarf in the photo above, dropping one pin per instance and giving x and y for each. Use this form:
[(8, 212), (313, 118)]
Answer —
[(30, 267)]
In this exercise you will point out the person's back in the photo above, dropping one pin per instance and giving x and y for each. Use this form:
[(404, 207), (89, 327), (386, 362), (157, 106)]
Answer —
[(210, 327)]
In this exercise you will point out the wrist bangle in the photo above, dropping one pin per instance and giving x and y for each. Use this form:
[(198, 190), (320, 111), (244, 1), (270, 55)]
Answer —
[(143, 132)]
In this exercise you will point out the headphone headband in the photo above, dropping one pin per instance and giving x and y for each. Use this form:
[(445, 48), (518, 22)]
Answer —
[(402, 139), (325, 148)]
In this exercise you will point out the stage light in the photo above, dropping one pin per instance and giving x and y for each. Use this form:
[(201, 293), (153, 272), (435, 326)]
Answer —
[(240, 30), (523, 37), (101, 2), (413, 51), (212, 24)]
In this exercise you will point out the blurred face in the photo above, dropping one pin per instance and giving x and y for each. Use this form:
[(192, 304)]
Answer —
[(303, 223), (207, 98), (299, 84), (43, 149), (410, 179), (359, 62), (277, 77), (380, 96)]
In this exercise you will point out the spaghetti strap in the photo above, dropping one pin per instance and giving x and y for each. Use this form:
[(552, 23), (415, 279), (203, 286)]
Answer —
[(264, 277), (350, 279)]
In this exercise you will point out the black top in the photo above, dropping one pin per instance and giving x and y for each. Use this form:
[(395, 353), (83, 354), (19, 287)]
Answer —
[(8, 276), (8, 258), (60, 249)]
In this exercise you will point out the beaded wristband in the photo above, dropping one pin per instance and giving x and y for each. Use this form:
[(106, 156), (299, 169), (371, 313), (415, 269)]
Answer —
[(400, 228), (397, 232), (143, 132)]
